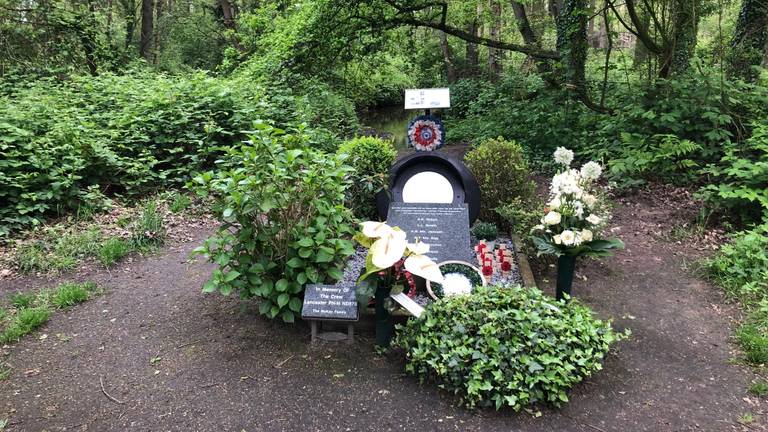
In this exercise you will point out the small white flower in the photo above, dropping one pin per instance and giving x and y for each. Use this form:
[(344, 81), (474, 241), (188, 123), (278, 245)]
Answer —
[(591, 170), (563, 156), (589, 200), (594, 219), (555, 203), (578, 209), (538, 227), (568, 237), (586, 235), (456, 284), (556, 239), (552, 218)]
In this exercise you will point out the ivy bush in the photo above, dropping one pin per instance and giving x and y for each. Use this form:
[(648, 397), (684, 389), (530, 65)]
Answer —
[(283, 220), (503, 175), (506, 346), (371, 158)]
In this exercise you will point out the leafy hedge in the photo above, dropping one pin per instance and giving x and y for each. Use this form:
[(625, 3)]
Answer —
[(131, 134), (506, 346)]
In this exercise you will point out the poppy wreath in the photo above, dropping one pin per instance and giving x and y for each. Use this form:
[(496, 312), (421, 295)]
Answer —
[(426, 133)]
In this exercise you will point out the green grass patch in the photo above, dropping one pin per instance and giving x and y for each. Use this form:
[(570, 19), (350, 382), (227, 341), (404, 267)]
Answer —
[(70, 294), (113, 250), (32, 310), (148, 230), (5, 371), (759, 389), (180, 203), (22, 300)]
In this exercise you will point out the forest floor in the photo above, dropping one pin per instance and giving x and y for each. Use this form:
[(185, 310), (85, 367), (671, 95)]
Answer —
[(173, 359)]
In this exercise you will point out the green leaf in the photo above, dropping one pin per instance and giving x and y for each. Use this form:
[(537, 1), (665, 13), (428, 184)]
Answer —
[(306, 242), (283, 299), (295, 262), (281, 285), (231, 275), (335, 273), (295, 304), (323, 257), (288, 316), (209, 286)]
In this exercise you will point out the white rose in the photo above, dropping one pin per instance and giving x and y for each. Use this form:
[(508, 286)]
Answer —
[(555, 203), (586, 235), (589, 200), (563, 156), (552, 218), (593, 219), (556, 239), (568, 237), (538, 228)]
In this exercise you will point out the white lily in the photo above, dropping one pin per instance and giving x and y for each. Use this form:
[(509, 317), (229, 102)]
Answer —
[(376, 229), (422, 265), (387, 250)]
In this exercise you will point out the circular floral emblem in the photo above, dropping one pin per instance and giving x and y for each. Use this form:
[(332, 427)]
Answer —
[(426, 133)]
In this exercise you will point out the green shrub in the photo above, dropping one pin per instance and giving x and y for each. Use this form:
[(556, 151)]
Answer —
[(149, 229), (283, 221), (70, 294), (741, 177), (506, 346), (485, 231), (659, 157), (741, 266), (22, 300), (113, 250), (502, 174), (371, 159)]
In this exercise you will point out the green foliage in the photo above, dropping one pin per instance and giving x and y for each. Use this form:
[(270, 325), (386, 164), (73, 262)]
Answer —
[(70, 294), (371, 159), (659, 157), (113, 250), (502, 174), (521, 215), (65, 142), (283, 223), (741, 177), (741, 268), (5, 372), (485, 230), (149, 229), (506, 346)]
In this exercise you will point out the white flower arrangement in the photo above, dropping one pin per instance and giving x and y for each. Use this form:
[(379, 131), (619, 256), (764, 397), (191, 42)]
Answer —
[(574, 215)]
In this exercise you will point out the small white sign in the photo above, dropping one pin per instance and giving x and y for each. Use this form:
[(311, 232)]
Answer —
[(428, 98), (411, 306)]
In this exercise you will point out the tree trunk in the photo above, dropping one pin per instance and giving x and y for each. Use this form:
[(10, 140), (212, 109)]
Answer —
[(555, 6), (158, 29), (572, 45), (523, 24), (147, 15), (641, 51), (450, 69), (473, 56), (494, 54), (129, 14), (750, 39), (229, 14), (686, 28), (592, 36)]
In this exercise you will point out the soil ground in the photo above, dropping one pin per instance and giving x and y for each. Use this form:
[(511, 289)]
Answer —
[(175, 359)]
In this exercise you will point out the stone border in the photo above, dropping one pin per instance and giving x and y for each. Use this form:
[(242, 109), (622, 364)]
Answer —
[(522, 263)]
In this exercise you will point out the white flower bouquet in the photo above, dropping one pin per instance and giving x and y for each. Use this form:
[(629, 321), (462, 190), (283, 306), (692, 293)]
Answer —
[(574, 215)]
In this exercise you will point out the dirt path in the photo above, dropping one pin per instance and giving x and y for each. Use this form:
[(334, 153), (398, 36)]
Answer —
[(220, 367)]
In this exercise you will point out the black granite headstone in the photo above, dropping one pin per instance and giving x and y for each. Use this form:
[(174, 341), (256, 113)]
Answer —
[(329, 302), (444, 227)]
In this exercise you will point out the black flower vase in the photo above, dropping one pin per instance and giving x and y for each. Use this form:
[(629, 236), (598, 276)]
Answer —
[(566, 265), (384, 326)]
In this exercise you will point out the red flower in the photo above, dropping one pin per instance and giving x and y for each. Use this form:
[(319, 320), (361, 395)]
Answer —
[(487, 270), (506, 266)]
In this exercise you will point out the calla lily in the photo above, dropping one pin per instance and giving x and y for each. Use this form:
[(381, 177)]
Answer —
[(387, 250), (421, 265), (418, 248), (376, 229)]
